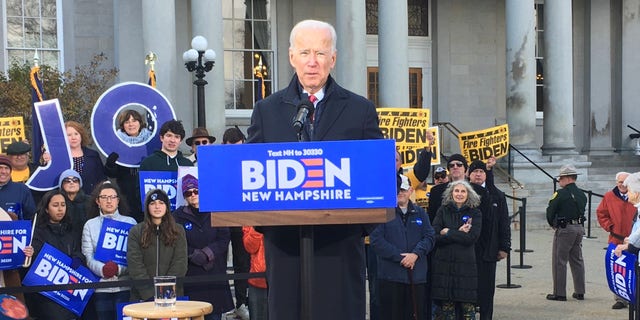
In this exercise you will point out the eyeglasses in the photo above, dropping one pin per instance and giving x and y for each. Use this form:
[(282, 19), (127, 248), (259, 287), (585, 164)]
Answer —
[(455, 164), (203, 142), (438, 176), (189, 193), (112, 198), (70, 180)]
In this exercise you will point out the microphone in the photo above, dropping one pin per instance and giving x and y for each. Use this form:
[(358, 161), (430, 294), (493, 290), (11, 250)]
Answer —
[(305, 110)]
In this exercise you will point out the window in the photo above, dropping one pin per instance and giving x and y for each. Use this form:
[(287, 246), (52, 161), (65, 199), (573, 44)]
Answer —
[(248, 53), (32, 25), (415, 87), (418, 15)]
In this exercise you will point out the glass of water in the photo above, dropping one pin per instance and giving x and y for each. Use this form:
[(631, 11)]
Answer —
[(165, 295)]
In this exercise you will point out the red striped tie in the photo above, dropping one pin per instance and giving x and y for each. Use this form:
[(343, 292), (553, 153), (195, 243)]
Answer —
[(313, 100)]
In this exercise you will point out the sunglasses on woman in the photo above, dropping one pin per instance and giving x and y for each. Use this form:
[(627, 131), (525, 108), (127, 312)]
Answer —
[(70, 179), (189, 193)]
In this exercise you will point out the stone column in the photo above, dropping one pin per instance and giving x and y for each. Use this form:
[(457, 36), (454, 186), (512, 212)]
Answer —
[(558, 79), (159, 34), (393, 40), (521, 72), (206, 20), (351, 27), (630, 70), (599, 81)]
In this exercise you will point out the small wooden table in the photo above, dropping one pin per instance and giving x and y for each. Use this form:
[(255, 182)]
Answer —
[(183, 310)]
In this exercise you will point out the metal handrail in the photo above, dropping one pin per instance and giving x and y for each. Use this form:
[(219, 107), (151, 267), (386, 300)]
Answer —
[(513, 182)]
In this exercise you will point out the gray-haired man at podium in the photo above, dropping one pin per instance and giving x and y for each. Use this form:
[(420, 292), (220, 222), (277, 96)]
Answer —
[(339, 261)]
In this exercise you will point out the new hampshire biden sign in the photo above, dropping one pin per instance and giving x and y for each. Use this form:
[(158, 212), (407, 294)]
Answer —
[(352, 174)]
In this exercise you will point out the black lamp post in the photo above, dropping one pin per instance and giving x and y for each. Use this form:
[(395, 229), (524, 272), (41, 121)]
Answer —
[(201, 60)]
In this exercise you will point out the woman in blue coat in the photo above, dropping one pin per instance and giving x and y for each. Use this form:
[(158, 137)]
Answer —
[(207, 248)]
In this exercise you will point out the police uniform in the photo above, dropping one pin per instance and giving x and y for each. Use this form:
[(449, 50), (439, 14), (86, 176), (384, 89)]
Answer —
[(565, 214)]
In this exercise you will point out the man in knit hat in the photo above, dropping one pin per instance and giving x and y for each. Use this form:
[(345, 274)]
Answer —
[(495, 237), (14, 197)]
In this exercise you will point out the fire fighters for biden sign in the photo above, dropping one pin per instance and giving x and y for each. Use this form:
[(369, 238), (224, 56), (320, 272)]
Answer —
[(293, 176)]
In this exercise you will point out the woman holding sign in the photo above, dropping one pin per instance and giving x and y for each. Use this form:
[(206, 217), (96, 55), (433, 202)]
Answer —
[(54, 227), (156, 247), (105, 204)]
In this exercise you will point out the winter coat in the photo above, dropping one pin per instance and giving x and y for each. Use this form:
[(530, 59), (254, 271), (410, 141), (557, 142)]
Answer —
[(495, 235), (90, 235), (215, 242), (568, 203), (616, 215), (454, 271), (160, 161), (14, 192), (155, 260), (128, 180), (77, 209), (406, 233), (92, 171), (339, 261), (62, 237), (254, 244)]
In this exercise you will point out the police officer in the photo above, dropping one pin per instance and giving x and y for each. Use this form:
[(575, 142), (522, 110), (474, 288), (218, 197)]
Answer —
[(565, 214)]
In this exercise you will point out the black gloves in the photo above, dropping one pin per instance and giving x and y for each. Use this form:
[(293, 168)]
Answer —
[(113, 157)]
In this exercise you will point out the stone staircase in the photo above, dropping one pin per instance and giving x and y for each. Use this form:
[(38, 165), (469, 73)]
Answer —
[(597, 175)]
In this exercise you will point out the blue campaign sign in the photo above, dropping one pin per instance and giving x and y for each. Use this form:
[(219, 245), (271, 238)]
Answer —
[(14, 237), (140, 97), (112, 242), (55, 142), (165, 180), (51, 266), (297, 176), (620, 273)]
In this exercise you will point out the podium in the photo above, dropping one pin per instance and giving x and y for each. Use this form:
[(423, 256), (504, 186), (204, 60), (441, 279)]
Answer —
[(299, 184)]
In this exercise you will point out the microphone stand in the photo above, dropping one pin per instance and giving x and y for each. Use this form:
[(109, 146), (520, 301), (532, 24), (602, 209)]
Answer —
[(306, 236)]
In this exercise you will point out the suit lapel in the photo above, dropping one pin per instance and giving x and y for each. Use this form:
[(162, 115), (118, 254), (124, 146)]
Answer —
[(330, 115)]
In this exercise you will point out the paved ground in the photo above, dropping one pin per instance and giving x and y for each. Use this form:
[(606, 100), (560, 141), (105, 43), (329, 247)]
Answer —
[(529, 301)]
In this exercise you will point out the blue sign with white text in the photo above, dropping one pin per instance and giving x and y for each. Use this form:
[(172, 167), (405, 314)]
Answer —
[(14, 237), (620, 273), (112, 242), (297, 176), (52, 266), (165, 180)]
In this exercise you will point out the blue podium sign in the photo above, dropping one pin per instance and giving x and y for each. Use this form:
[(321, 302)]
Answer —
[(353, 174)]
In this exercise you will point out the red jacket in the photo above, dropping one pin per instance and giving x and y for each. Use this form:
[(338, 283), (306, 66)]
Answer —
[(254, 244), (616, 216)]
